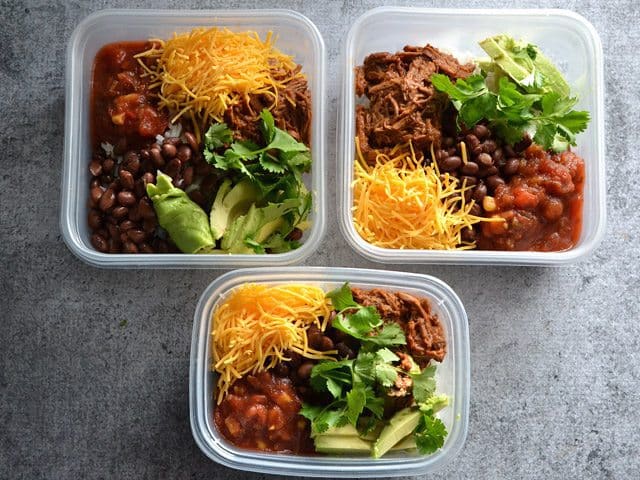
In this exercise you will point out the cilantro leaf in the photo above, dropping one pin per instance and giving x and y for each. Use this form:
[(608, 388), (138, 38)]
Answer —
[(386, 355), (434, 404), (341, 298), (424, 384), (391, 334), (330, 376), (218, 136), (429, 434), (356, 400), (511, 109), (267, 125), (386, 374)]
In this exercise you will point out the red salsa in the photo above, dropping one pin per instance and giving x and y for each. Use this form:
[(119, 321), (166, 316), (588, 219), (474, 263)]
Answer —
[(541, 205), (122, 111), (260, 412)]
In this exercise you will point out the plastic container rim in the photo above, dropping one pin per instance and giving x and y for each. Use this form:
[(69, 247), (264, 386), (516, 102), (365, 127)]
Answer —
[(329, 466), (469, 257), (73, 107)]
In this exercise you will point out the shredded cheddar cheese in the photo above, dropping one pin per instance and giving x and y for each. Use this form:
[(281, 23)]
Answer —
[(201, 73), (400, 203), (257, 324)]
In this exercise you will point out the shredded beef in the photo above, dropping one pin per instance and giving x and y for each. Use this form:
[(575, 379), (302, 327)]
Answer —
[(424, 332), (291, 113), (403, 105)]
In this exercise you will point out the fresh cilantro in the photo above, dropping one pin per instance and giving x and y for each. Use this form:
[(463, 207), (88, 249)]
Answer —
[(424, 384), (341, 298), (217, 136), (362, 322), (356, 400), (429, 434), (511, 111), (329, 376)]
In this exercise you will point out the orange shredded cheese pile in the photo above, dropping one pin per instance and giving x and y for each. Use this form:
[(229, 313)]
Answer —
[(203, 72), (400, 203), (257, 324)]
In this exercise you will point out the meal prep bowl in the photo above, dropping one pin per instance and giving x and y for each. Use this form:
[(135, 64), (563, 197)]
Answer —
[(296, 35), (452, 375), (567, 38)]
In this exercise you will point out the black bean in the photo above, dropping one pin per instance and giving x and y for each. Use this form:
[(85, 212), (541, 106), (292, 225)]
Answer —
[(184, 153), (120, 212), (126, 198), (469, 181), (327, 343), (485, 159), (511, 167), (476, 210), (493, 181), (108, 165), (448, 142), (169, 151), (94, 219), (489, 146), (136, 235), (296, 234), (498, 155), (344, 351), (130, 247), (481, 131), (99, 242), (480, 192), (126, 179), (472, 141), (191, 140), (450, 163), (171, 141), (471, 168), (468, 235), (131, 162), (304, 370), (156, 157), (108, 200), (95, 167)]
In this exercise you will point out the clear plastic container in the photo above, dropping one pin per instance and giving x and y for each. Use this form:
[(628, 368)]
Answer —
[(452, 375), (566, 37), (296, 35)]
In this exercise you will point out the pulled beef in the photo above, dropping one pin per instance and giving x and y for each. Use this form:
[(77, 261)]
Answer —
[(291, 113), (403, 105), (424, 332)]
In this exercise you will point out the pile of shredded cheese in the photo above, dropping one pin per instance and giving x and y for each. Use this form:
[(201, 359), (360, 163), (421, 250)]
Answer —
[(401, 204), (256, 324), (201, 73)]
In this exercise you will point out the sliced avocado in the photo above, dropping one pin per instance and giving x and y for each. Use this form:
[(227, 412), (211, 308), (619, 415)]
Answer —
[(257, 225), (407, 443), (401, 424), (231, 203), (521, 62), (342, 445), (347, 430)]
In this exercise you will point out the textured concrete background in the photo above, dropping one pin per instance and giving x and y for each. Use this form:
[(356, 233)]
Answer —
[(555, 362)]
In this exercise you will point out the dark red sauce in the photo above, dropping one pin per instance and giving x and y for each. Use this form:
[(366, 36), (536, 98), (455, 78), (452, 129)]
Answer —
[(123, 113), (260, 412), (541, 205)]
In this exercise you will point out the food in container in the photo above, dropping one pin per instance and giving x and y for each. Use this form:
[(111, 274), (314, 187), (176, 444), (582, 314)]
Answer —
[(418, 184), (327, 368), (280, 219)]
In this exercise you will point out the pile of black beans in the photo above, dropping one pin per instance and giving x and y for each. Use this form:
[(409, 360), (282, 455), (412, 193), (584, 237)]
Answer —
[(298, 369), (121, 215), (490, 163)]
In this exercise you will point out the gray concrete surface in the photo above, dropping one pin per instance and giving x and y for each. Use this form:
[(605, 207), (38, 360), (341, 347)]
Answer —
[(94, 363)]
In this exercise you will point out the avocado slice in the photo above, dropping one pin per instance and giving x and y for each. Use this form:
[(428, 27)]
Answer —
[(257, 225), (342, 444), (401, 424), (349, 430), (522, 61), (230, 203)]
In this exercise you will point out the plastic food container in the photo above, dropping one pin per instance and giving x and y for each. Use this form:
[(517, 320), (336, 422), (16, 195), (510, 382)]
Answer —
[(296, 35), (452, 375), (567, 38)]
